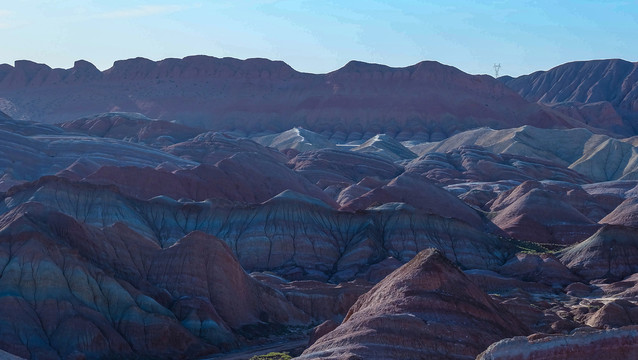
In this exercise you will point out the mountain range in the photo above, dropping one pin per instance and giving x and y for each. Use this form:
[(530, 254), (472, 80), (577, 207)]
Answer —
[(427, 101)]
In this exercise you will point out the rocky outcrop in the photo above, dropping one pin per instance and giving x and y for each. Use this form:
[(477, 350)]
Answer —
[(339, 169), (612, 252), (426, 309), (419, 193), (476, 164), (318, 299), (321, 330), (237, 169), (132, 127), (615, 344), (543, 214), (244, 177), (597, 157), (625, 214), (29, 151), (540, 268), (626, 288), (384, 146), (297, 236), (298, 139), (616, 313), (211, 147), (427, 101), (603, 91), (75, 290)]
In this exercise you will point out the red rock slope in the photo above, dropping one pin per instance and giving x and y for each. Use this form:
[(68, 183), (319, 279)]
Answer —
[(427, 100), (72, 290), (615, 344), (603, 93), (426, 309), (612, 252)]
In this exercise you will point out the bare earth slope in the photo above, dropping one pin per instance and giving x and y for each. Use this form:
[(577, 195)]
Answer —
[(615, 344), (426, 309), (132, 127), (73, 290), (598, 157), (612, 252)]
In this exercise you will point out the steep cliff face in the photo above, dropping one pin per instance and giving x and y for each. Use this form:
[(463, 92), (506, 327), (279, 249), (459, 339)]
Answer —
[(428, 100), (600, 92)]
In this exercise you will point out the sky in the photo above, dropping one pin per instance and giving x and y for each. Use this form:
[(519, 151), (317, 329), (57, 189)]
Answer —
[(323, 35)]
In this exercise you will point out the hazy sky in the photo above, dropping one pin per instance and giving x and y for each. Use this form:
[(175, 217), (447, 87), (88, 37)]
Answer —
[(322, 35)]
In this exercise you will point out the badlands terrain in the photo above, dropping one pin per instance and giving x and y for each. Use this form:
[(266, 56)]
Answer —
[(206, 208)]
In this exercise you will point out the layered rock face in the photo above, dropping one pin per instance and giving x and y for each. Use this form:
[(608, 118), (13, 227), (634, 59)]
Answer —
[(625, 214), (426, 309), (75, 290), (610, 253), (476, 164), (334, 170), (385, 146), (597, 91), (293, 234), (616, 344), (597, 157), (428, 100), (30, 151), (132, 127), (298, 139), (543, 213)]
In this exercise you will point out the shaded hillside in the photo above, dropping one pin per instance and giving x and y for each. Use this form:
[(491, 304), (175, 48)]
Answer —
[(602, 93), (598, 157), (427, 309), (428, 100), (132, 127)]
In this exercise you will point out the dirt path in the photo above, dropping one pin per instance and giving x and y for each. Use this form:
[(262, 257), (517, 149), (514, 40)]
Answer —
[(247, 353)]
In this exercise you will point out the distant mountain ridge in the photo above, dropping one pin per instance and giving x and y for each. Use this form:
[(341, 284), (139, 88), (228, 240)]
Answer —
[(429, 101), (595, 91)]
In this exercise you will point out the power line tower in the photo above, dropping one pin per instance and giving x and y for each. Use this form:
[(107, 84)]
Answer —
[(497, 67)]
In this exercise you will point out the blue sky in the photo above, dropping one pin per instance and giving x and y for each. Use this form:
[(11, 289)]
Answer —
[(322, 35)]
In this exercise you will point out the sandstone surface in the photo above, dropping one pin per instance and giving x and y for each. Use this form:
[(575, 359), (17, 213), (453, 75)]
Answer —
[(542, 213), (615, 344), (597, 157), (426, 309), (476, 164), (132, 127), (610, 253), (298, 236), (73, 289)]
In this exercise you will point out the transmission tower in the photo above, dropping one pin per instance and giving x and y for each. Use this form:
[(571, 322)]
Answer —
[(497, 67)]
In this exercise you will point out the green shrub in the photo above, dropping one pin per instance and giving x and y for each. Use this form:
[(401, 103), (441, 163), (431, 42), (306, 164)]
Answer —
[(272, 356)]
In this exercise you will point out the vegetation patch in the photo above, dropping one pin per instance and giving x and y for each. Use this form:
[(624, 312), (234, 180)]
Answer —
[(272, 356)]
